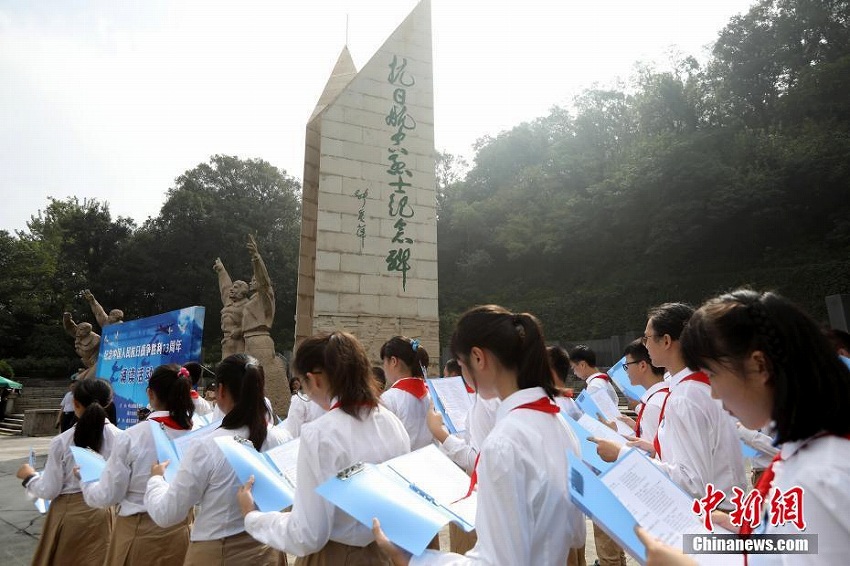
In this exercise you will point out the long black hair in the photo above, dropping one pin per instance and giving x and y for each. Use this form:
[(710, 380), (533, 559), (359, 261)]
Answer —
[(409, 351), (345, 363), (172, 387), (811, 385), (515, 339), (243, 377), (94, 395)]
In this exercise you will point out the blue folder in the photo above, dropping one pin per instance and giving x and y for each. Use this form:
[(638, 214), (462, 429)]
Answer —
[(587, 405), (618, 375), (409, 517), (91, 463), (438, 405), (588, 448), (165, 450), (596, 500), (272, 491)]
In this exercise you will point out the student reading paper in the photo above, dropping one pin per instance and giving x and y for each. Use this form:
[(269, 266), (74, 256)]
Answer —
[(405, 361), (73, 532), (524, 514), (335, 372), (769, 363), (136, 539), (204, 477), (696, 443)]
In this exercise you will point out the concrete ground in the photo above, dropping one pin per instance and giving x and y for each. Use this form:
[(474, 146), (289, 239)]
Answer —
[(20, 523)]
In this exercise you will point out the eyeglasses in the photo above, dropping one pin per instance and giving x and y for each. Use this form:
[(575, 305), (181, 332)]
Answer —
[(627, 364), (644, 338)]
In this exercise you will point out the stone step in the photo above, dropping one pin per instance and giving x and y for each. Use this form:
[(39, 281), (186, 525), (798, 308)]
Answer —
[(10, 429)]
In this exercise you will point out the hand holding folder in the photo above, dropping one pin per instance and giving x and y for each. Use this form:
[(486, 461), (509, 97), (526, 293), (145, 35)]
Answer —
[(91, 463), (452, 400), (413, 496), (41, 505), (273, 470)]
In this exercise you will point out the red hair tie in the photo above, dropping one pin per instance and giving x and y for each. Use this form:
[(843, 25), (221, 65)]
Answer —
[(183, 372)]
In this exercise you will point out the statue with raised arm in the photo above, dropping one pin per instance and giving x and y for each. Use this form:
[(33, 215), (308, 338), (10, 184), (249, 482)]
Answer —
[(257, 320), (115, 316), (86, 344), (234, 296)]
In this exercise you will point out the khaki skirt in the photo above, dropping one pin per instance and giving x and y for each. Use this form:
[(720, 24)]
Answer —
[(460, 541), (73, 533), (338, 554), (136, 539), (234, 550)]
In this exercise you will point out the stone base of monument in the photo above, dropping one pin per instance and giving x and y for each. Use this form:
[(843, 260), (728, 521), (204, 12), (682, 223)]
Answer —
[(40, 422)]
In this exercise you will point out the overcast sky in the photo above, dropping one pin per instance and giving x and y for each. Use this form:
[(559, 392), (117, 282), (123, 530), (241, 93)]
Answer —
[(114, 99)]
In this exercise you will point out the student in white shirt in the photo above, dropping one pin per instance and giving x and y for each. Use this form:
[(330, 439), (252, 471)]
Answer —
[(206, 479), (525, 515), (583, 362), (202, 406), (66, 418), (302, 409), (136, 539), (404, 362), (771, 366), (641, 372), (335, 372), (559, 362), (463, 448), (73, 532), (696, 443)]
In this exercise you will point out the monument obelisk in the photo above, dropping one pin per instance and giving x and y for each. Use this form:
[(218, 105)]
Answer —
[(368, 257)]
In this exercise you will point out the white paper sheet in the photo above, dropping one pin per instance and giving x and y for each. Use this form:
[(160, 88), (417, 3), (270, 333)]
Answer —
[(285, 459), (454, 398), (609, 410), (599, 430)]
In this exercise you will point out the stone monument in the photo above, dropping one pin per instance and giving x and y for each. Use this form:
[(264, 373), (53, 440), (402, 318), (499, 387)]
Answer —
[(234, 297), (257, 318), (115, 316), (368, 257), (86, 344)]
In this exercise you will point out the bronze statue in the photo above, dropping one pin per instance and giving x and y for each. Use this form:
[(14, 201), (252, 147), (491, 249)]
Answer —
[(115, 316), (86, 344), (234, 297)]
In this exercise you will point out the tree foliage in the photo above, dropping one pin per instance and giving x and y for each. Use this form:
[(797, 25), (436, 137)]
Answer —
[(681, 184)]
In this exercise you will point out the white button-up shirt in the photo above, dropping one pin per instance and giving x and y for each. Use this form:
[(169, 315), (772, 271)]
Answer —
[(463, 448), (411, 411), (125, 477), (596, 381), (58, 476), (525, 515), (329, 444), (300, 413), (699, 443), (821, 467), (205, 478), (651, 405)]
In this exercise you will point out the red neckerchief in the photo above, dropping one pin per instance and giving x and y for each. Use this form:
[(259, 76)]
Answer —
[(194, 394), (696, 376), (763, 487), (413, 385), (643, 406), (169, 422), (602, 376), (468, 388), (544, 405)]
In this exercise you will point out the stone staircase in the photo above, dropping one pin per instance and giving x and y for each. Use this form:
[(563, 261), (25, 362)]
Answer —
[(36, 394), (12, 425)]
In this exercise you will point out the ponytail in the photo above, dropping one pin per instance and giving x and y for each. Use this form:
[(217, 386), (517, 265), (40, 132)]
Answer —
[(515, 339), (94, 395), (346, 365), (171, 385), (243, 377), (410, 351)]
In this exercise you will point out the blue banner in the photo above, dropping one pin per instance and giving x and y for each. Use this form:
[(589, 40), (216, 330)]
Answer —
[(130, 351)]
